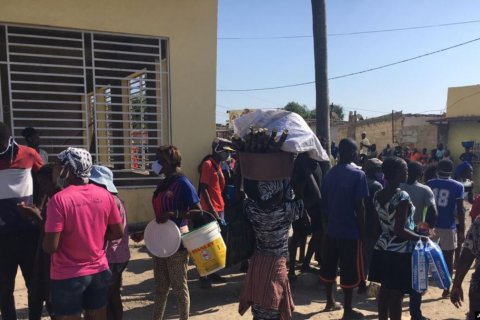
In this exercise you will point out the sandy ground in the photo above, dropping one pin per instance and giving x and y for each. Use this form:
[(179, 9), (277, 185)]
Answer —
[(221, 301)]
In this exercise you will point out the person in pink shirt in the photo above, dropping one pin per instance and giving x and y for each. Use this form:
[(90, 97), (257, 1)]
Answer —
[(118, 253), (79, 220)]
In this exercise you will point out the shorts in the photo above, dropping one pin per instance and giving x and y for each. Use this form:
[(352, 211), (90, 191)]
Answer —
[(346, 254), (72, 296), (447, 237), (393, 270)]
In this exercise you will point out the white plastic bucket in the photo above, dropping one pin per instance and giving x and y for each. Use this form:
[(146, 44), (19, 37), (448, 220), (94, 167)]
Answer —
[(207, 248)]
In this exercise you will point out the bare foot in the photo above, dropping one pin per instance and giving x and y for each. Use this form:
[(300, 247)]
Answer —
[(332, 307)]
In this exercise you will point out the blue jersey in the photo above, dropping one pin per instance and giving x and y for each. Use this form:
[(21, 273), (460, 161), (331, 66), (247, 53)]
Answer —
[(447, 192)]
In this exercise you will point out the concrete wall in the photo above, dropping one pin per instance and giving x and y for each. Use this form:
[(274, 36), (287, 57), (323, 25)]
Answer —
[(409, 130), (417, 132), (463, 101), (191, 27)]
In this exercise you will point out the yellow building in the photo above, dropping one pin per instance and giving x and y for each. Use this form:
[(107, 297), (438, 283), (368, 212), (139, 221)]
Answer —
[(116, 77), (462, 120)]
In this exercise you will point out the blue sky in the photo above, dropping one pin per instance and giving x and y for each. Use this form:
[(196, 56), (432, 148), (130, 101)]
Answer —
[(416, 86)]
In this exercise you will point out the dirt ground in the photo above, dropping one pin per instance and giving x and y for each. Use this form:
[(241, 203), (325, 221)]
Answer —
[(221, 301)]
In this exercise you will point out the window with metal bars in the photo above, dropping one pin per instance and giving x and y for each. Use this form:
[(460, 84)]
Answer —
[(104, 92)]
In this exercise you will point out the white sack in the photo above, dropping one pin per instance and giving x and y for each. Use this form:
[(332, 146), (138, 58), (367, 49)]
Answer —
[(300, 137)]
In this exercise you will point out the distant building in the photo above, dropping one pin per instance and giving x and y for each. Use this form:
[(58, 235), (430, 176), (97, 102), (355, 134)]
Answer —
[(412, 130), (462, 121)]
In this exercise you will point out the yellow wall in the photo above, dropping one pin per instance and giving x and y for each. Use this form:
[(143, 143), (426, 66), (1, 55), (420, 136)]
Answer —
[(138, 203), (191, 29), (464, 131), (463, 101)]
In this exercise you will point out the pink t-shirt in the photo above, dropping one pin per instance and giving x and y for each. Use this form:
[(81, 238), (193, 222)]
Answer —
[(81, 214)]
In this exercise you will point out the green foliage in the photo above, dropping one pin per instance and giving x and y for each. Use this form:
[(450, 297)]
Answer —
[(296, 107), (338, 110), (308, 114)]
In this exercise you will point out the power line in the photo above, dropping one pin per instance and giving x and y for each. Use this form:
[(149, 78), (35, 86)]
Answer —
[(354, 32), (462, 98), (406, 28), (355, 73)]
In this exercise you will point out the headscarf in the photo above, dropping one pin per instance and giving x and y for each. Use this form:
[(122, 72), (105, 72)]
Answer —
[(79, 159)]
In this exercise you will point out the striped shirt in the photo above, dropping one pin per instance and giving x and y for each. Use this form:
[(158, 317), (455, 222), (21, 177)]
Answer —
[(16, 186), (179, 195)]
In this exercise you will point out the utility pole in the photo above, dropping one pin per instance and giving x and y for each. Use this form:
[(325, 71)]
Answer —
[(393, 128), (322, 108)]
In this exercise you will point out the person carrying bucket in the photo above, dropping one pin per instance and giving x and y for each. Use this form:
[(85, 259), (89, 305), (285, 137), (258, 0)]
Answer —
[(211, 185), (174, 199)]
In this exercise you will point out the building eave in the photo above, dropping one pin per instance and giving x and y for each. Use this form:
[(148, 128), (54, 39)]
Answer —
[(448, 120)]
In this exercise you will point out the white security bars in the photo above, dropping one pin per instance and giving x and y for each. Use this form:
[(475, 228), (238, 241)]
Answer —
[(104, 92)]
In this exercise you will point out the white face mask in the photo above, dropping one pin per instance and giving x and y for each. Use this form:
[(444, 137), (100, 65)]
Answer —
[(156, 167)]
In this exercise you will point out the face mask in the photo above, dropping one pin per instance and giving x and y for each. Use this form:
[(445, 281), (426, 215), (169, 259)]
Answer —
[(221, 153), (62, 181), (224, 156), (156, 167)]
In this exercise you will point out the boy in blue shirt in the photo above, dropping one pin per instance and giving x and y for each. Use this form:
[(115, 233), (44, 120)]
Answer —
[(343, 190), (449, 201)]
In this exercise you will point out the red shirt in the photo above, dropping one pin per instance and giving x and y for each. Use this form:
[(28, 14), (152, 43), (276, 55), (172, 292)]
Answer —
[(16, 185), (417, 156), (211, 175), (475, 211)]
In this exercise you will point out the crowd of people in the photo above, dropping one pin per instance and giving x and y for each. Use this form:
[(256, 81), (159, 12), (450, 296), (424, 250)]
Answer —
[(66, 228)]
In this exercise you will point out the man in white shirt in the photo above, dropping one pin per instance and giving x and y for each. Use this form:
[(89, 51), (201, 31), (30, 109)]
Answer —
[(364, 144)]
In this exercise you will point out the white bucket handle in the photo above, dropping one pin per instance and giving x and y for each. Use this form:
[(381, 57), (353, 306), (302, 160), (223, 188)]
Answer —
[(214, 219)]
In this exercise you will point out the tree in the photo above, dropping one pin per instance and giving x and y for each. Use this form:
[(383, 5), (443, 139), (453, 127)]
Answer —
[(321, 78), (338, 110), (296, 107)]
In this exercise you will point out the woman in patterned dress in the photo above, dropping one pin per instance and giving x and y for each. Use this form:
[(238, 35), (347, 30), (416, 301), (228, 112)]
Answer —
[(266, 288), (391, 260)]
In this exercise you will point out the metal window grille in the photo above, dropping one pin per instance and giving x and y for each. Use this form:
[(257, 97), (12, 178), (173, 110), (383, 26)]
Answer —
[(104, 92)]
